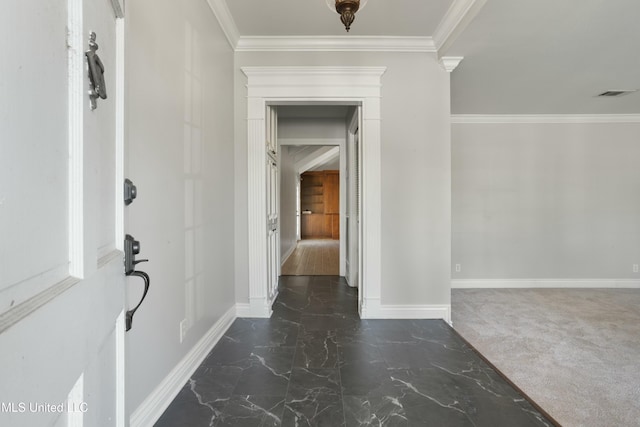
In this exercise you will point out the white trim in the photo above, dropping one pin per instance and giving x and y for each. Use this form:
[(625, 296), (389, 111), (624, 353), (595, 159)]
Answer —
[(110, 256), (285, 257), (300, 85), (121, 373), (450, 63), (543, 283), (122, 419), (454, 22), (225, 19), (22, 310), (118, 8), (76, 101), (243, 309), (257, 308), (543, 118), (372, 309), (155, 404), (310, 141), (274, 85), (334, 44), (121, 109)]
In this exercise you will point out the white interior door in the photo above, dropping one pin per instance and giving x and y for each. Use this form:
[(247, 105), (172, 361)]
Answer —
[(61, 272), (353, 202), (273, 203)]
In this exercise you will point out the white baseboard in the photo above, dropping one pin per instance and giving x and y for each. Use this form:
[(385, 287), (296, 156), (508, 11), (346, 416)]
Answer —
[(543, 283), (159, 400), (287, 255), (372, 309), (258, 308)]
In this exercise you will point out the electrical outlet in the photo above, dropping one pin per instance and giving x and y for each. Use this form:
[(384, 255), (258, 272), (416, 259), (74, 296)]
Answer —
[(458, 268), (183, 329), (635, 268)]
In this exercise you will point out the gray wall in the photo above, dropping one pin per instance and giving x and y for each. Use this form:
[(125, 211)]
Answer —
[(416, 233), (546, 200), (311, 128), (181, 158)]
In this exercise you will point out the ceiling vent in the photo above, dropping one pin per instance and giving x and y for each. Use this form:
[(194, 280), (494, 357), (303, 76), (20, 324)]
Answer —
[(615, 93)]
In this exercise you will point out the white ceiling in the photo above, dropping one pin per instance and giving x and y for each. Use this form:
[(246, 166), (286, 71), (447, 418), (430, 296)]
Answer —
[(314, 18), (520, 57), (548, 57), (301, 155)]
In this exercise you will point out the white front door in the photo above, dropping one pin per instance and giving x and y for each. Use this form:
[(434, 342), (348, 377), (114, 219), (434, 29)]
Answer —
[(61, 271)]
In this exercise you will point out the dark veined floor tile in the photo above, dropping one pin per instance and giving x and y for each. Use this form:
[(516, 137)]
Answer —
[(252, 411)]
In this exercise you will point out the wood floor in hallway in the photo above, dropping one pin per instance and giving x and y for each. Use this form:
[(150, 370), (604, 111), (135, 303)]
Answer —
[(314, 257)]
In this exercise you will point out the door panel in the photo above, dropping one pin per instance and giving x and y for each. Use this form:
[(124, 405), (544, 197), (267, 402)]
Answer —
[(273, 203), (60, 268), (273, 263), (33, 150)]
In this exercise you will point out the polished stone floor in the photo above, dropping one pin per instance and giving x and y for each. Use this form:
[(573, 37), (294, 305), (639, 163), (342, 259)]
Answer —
[(315, 363)]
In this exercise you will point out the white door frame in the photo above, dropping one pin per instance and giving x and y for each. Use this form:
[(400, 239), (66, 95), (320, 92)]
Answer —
[(352, 158), (330, 85)]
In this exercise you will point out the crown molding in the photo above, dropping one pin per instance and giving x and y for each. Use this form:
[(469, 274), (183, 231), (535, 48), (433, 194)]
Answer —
[(320, 71), (334, 44), (223, 15), (459, 15), (450, 63), (543, 118)]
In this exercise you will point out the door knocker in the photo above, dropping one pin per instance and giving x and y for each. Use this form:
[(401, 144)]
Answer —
[(96, 73)]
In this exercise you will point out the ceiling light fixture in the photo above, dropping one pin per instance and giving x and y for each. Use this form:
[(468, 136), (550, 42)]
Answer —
[(347, 10)]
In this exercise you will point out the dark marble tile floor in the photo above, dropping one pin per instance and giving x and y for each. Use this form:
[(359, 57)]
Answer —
[(315, 363)]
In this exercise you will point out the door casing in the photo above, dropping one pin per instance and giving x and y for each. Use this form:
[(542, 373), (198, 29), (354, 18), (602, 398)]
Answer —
[(303, 86)]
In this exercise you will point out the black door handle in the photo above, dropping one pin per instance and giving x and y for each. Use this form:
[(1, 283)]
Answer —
[(130, 313), (131, 249)]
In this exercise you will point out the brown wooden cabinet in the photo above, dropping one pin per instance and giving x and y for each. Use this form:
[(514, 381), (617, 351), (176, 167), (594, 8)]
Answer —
[(331, 192), (320, 205)]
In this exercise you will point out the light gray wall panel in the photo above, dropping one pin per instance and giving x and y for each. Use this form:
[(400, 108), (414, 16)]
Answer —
[(546, 200), (180, 115)]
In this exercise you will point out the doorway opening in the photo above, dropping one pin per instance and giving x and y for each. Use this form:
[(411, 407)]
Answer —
[(313, 197), (311, 85), (317, 215)]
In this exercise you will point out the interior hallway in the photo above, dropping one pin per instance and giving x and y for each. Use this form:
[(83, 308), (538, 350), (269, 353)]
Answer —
[(314, 257), (315, 363)]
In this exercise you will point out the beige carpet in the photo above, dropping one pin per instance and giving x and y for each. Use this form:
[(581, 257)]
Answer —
[(576, 352), (314, 258)]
